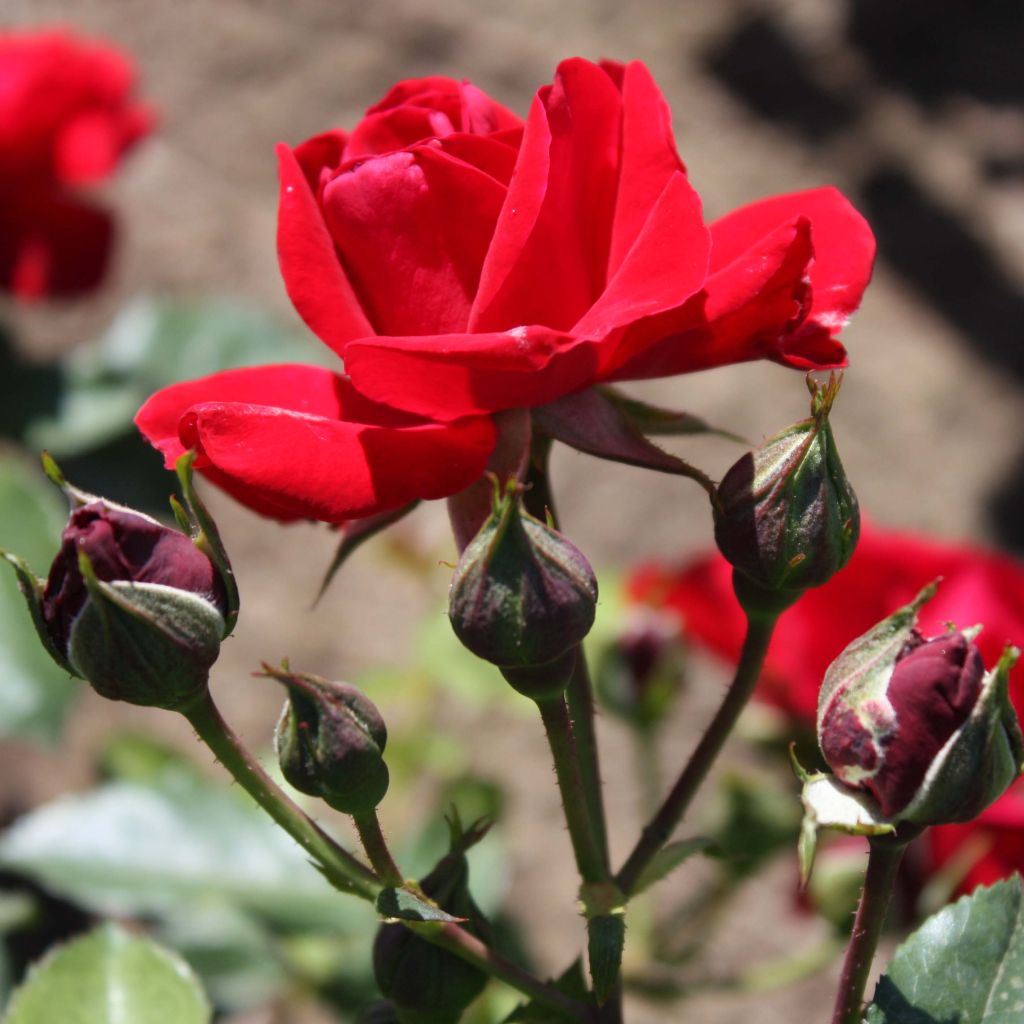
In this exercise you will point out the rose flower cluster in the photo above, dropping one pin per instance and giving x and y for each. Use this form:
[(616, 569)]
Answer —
[(463, 262)]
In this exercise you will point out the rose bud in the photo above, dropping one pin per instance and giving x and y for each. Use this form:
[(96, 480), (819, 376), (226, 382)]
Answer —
[(918, 724), (641, 672), (330, 740), (427, 984), (130, 605), (522, 598), (785, 516)]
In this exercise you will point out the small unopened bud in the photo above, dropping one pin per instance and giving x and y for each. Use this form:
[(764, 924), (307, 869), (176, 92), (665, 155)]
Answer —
[(330, 740), (641, 672), (427, 984), (918, 724), (522, 598), (786, 517), (129, 605)]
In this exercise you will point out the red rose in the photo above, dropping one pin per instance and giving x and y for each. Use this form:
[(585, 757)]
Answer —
[(458, 275), (886, 571), (66, 117), (981, 851), (463, 262)]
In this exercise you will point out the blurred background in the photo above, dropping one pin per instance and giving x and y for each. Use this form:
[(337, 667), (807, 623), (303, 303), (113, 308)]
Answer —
[(913, 109)]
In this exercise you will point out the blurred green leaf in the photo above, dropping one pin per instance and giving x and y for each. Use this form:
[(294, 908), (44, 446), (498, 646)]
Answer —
[(668, 858), (132, 849), (152, 344), (110, 977), (752, 817), (34, 692), (964, 965)]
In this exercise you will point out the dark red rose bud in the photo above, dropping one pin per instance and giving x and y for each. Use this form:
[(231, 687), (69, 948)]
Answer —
[(786, 517), (121, 546), (137, 609), (330, 740), (522, 598), (918, 723), (641, 672)]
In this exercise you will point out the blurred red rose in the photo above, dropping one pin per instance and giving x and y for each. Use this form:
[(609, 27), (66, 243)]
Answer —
[(66, 117), (982, 851), (463, 262)]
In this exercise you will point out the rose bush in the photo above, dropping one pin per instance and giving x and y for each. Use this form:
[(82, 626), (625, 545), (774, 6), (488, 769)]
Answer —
[(67, 116), (463, 262)]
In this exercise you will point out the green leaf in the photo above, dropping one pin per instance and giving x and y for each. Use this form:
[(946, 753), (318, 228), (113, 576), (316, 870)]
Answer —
[(668, 858), (131, 849), (402, 905), (35, 694), (110, 977), (964, 965), (653, 419)]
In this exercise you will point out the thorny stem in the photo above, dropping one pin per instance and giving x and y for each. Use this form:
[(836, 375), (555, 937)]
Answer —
[(884, 858), (660, 828), (338, 865), (345, 872), (557, 725)]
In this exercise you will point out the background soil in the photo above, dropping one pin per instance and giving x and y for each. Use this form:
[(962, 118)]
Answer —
[(912, 109)]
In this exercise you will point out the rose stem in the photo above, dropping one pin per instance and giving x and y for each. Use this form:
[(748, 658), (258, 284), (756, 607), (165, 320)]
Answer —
[(339, 866), (558, 726), (660, 828), (342, 869), (376, 847), (885, 854), (539, 502)]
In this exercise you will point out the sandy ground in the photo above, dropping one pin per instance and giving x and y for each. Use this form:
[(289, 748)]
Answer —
[(767, 97)]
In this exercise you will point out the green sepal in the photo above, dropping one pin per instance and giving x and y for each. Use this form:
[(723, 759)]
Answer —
[(606, 937), (829, 804), (865, 666), (144, 643), (354, 533), (75, 495), (202, 530), (31, 587)]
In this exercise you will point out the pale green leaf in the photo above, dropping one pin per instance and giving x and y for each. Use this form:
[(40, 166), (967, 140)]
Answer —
[(109, 977)]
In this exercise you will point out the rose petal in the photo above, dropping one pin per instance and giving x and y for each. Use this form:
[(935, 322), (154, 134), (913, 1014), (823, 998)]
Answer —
[(313, 274), (844, 248), (297, 442), (468, 374), (648, 158), (549, 258), (412, 229)]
